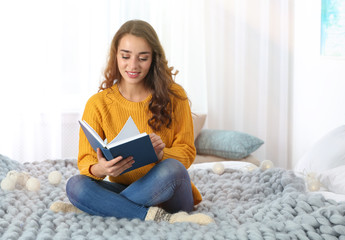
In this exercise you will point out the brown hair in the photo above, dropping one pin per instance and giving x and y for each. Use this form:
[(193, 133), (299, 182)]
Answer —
[(159, 78)]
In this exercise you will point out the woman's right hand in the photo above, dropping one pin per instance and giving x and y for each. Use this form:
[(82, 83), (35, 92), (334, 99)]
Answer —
[(112, 168)]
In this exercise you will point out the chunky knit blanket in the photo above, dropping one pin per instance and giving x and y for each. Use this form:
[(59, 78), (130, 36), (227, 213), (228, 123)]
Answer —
[(269, 204)]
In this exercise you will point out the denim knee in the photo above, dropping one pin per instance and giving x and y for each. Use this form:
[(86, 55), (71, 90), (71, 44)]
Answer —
[(173, 167), (75, 185)]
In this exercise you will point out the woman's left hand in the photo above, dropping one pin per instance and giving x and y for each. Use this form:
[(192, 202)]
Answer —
[(158, 145)]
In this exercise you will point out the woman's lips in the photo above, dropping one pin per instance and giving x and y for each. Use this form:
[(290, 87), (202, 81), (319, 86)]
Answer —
[(133, 74)]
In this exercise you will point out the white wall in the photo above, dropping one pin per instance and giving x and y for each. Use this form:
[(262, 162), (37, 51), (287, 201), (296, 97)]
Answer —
[(318, 86)]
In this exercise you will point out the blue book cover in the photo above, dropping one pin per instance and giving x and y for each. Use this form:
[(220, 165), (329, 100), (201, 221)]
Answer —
[(138, 146)]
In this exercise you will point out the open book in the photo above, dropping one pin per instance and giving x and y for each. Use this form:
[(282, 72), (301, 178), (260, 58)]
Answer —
[(129, 142)]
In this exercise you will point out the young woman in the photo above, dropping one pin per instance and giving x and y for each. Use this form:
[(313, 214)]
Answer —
[(138, 83)]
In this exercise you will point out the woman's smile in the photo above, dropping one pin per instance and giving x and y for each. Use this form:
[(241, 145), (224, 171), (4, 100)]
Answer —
[(133, 74)]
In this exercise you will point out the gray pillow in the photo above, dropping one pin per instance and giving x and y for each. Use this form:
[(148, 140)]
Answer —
[(226, 143)]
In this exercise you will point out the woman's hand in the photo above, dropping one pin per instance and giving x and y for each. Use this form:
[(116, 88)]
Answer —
[(112, 168), (158, 145)]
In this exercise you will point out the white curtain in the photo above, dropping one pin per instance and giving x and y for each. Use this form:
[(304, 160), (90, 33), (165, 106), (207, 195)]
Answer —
[(232, 55), (52, 54), (248, 71)]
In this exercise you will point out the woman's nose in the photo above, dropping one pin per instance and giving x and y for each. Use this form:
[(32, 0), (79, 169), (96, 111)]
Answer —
[(133, 63)]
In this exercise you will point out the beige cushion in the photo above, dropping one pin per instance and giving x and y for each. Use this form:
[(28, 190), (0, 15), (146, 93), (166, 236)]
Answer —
[(209, 158), (198, 122)]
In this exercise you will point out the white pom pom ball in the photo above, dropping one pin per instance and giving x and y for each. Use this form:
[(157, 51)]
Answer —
[(55, 177), (33, 184), (7, 184), (266, 164), (218, 168), (13, 176)]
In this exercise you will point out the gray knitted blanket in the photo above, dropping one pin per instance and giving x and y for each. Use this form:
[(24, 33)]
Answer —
[(269, 204)]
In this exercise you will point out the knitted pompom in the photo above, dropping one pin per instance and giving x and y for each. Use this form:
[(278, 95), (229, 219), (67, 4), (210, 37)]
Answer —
[(13, 176), (218, 168), (7, 184), (33, 184), (55, 177)]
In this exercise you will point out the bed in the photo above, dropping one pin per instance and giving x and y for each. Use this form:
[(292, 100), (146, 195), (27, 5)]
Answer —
[(245, 203)]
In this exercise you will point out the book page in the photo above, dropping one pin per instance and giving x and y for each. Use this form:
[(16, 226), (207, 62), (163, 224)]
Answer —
[(114, 144), (128, 130)]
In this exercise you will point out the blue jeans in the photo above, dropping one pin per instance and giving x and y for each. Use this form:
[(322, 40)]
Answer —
[(167, 184)]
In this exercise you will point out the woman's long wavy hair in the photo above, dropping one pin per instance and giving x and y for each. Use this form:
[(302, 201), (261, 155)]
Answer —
[(159, 78)]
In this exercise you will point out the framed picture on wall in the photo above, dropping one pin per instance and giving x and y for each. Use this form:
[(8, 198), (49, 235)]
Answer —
[(332, 28)]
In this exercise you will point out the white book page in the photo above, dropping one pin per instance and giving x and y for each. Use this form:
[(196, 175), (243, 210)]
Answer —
[(128, 130), (113, 144)]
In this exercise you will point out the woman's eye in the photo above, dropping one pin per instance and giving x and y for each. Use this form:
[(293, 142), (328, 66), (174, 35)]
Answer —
[(143, 59), (125, 57)]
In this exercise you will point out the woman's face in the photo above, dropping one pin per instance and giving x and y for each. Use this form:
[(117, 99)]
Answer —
[(134, 58)]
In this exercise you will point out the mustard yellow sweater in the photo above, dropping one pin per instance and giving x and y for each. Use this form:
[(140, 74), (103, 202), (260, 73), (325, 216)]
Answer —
[(107, 112)]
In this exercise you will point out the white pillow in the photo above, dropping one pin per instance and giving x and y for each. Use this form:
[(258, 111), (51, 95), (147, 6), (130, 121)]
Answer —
[(334, 179), (325, 154)]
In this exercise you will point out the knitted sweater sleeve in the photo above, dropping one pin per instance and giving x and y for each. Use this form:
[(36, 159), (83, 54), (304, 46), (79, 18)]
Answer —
[(86, 155), (182, 147)]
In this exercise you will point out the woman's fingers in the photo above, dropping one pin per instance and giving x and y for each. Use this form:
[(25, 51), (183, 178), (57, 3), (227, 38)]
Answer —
[(158, 145), (100, 154), (123, 164), (115, 166), (156, 140)]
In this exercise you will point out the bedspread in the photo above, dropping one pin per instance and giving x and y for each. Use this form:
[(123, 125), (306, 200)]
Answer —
[(271, 204)]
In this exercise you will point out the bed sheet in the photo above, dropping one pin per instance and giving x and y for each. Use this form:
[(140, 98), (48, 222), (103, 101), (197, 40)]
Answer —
[(227, 164)]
